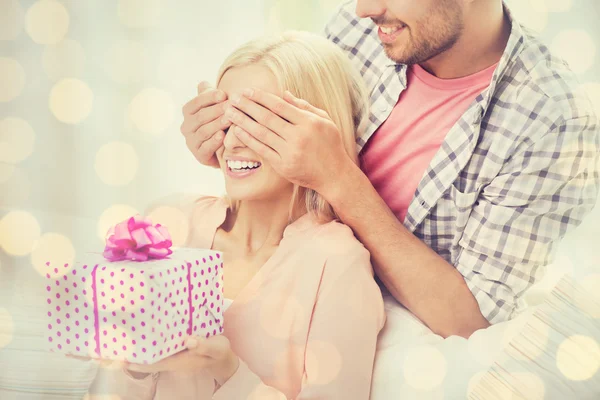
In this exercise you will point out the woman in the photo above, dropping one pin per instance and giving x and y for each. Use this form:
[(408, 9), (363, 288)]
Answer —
[(304, 310)]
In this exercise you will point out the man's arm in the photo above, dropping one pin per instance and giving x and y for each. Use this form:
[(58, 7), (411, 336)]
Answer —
[(544, 190), (414, 274)]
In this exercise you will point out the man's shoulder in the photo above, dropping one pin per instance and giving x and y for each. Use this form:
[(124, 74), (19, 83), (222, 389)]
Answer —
[(542, 82), (351, 32)]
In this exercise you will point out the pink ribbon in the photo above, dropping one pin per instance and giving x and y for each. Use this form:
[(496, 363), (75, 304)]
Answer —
[(138, 240)]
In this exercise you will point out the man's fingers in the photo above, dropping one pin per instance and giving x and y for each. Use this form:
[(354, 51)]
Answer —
[(264, 151), (192, 123), (204, 99), (205, 151), (203, 86), (273, 114), (303, 104), (205, 133), (276, 104), (256, 129)]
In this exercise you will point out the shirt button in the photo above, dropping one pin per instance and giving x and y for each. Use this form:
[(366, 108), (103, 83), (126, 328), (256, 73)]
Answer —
[(383, 108)]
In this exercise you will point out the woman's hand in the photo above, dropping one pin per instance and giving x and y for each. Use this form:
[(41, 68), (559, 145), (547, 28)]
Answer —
[(214, 355)]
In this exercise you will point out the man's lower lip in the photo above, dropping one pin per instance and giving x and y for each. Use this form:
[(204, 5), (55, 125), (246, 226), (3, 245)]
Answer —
[(241, 174), (385, 38)]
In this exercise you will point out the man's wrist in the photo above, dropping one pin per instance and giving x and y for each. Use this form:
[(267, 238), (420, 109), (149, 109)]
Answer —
[(345, 180)]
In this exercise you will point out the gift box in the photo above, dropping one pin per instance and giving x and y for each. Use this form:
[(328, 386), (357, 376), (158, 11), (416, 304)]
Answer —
[(127, 310)]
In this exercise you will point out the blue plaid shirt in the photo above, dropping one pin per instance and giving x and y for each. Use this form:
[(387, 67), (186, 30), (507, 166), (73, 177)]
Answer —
[(516, 173)]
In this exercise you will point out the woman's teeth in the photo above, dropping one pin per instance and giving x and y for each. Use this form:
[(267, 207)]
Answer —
[(240, 165)]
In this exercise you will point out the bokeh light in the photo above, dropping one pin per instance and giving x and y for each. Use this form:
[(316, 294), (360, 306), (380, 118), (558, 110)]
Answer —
[(556, 5), (71, 101), (593, 91), (11, 19), (578, 357), (325, 367), (152, 111), (329, 6), (56, 249), (116, 163), (126, 61), (47, 22), (6, 327), (179, 66), (16, 189), (19, 232), (537, 333), (479, 348), (591, 284), (17, 140), (476, 380), (12, 79), (64, 60), (530, 386), (112, 216), (89, 396), (425, 367), (275, 324), (6, 172), (176, 222), (139, 13), (531, 13), (577, 48)]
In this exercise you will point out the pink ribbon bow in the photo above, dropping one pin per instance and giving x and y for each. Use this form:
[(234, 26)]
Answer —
[(138, 240)]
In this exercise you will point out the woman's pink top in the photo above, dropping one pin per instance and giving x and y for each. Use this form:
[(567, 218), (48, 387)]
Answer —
[(305, 327)]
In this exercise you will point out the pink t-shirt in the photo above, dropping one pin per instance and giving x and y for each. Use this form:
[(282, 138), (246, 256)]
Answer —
[(399, 152)]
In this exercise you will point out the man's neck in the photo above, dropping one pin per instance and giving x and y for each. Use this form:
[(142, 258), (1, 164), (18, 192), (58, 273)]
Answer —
[(480, 46)]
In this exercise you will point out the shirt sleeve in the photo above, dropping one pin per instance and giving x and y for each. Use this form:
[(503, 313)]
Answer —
[(340, 350), (542, 192)]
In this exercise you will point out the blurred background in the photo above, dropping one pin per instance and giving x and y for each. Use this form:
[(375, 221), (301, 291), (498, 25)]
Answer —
[(90, 107)]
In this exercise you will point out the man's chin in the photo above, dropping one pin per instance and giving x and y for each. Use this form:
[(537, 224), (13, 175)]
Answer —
[(392, 52)]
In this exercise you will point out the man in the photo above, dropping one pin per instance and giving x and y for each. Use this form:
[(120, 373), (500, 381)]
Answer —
[(480, 153)]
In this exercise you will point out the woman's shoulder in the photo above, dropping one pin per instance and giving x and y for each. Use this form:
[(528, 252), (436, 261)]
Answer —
[(195, 214), (336, 241), (186, 203)]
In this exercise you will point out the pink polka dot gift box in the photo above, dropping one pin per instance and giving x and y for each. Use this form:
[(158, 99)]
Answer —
[(138, 301)]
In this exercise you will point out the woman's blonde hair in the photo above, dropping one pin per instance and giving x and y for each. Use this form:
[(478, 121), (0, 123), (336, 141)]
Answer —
[(314, 69)]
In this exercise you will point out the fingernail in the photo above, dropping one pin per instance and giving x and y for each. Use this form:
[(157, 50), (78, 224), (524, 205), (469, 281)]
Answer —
[(235, 99), (221, 96), (224, 120), (229, 113), (219, 136), (248, 92)]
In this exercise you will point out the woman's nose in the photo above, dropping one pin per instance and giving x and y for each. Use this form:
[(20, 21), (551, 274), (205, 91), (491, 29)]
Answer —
[(231, 140)]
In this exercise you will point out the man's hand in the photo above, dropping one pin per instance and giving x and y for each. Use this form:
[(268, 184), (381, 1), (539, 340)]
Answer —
[(203, 124), (298, 140), (213, 355)]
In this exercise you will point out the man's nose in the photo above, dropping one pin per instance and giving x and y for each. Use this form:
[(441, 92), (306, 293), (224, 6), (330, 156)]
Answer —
[(370, 8)]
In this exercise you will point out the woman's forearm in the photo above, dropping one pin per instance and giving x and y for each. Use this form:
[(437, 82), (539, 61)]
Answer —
[(414, 274)]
